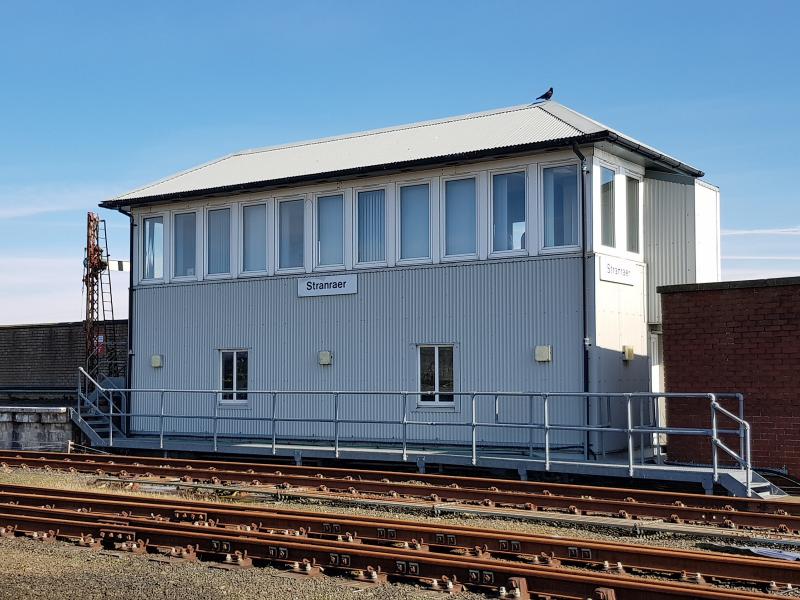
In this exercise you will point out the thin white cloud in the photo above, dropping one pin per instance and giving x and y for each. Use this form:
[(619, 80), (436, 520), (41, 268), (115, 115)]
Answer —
[(27, 201), (773, 231), (761, 258)]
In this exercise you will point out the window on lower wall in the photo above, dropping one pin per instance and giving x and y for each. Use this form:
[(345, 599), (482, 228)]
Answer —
[(632, 213), (184, 233), (233, 375), (436, 374), (219, 241), (153, 248)]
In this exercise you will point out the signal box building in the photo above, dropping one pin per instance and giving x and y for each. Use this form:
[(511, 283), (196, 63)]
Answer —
[(515, 250)]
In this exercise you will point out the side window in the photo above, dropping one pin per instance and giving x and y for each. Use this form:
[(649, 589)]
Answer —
[(436, 374), (508, 212), (184, 235), (561, 215), (153, 248), (291, 225), (607, 209), (254, 238), (330, 230), (371, 217), (415, 222), (233, 375), (460, 214), (219, 241), (632, 213)]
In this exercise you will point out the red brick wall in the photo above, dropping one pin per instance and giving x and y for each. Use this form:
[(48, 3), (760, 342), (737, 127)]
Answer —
[(744, 339)]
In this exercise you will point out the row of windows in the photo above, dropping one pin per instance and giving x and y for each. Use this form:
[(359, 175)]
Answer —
[(459, 233), (435, 375)]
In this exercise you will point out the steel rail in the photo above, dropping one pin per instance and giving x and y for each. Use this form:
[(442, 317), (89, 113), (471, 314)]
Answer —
[(588, 505), (337, 556), (442, 538), (254, 470)]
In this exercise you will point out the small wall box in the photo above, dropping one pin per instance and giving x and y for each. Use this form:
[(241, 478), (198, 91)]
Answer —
[(628, 353), (157, 361), (543, 353), (325, 357)]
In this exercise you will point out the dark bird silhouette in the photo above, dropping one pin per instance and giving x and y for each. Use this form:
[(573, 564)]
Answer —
[(547, 95)]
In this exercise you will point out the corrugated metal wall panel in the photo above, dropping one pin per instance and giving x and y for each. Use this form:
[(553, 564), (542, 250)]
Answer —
[(493, 312), (669, 238)]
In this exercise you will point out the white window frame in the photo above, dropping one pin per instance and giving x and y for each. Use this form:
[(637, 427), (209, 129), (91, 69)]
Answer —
[(166, 251), (619, 211), (399, 224), (543, 249), (386, 217), (234, 402), (277, 236), (626, 173), (315, 230), (198, 244), (504, 253), (435, 403), (232, 259), (240, 241), (476, 175)]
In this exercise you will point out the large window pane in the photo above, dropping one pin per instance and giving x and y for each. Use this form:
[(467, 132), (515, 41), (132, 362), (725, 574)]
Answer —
[(508, 211), (632, 202), (153, 248), (291, 225), (460, 212), (415, 221), (561, 218), (227, 373), (254, 237), (241, 374), (371, 226), (445, 362), (185, 237), (219, 241), (330, 230), (607, 213), (427, 372)]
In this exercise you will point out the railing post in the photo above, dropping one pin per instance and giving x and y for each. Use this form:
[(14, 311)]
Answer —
[(274, 401), (336, 424), (749, 472), (111, 422), (530, 429), (161, 423), (404, 398), (216, 414), (714, 457), (474, 431), (740, 398), (630, 433), (546, 432)]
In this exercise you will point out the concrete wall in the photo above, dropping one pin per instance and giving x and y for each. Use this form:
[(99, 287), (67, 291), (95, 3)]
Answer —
[(736, 336), (35, 428)]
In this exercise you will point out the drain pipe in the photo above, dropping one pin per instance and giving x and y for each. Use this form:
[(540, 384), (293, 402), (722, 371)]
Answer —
[(584, 287)]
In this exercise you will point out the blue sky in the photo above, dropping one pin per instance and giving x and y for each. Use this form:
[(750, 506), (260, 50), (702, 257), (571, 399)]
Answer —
[(100, 97)]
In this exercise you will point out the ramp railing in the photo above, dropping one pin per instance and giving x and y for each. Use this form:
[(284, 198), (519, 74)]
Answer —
[(634, 418)]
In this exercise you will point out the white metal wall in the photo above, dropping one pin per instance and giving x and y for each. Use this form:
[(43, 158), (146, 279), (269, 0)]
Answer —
[(494, 312)]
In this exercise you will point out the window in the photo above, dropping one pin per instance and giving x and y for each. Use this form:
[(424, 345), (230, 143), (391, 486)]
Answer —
[(508, 212), (607, 217), (219, 241), (632, 213), (415, 217), (233, 375), (153, 248), (254, 237), (371, 226), (185, 236), (460, 217), (436, 374), (561, 216), (291, 222), (330, 230)]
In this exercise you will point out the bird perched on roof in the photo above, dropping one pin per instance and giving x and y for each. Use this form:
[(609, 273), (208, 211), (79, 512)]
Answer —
[(547, 95)]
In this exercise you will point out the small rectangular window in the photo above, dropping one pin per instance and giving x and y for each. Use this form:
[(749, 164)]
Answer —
[(219, 241), (508, 211), (371, 226), (153, 248), (415, 221), (561, 217), (254, 237), (460, 217), (184, 233), (436, 374), (233, 370), (330, 230), (291, 225), (632, 214), (607, 213)]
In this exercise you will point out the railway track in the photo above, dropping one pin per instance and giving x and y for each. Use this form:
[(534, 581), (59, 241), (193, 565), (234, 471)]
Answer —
[(373, 550), (720, 511)]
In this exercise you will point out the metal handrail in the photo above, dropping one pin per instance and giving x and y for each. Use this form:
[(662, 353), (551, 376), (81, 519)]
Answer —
[(629, 429)]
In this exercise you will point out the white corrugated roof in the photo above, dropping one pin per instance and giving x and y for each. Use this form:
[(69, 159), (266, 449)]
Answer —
[(498, 129)]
